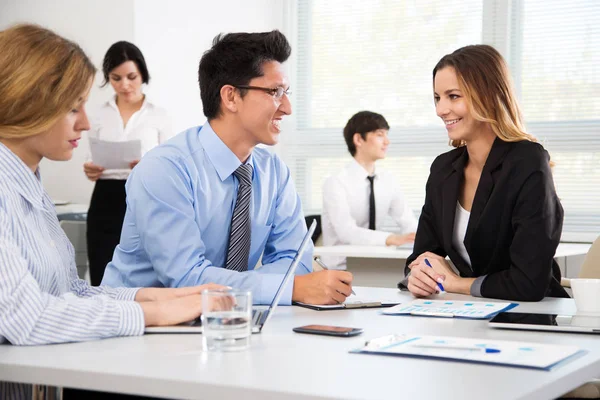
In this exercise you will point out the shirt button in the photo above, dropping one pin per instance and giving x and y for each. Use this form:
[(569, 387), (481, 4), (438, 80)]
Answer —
[(52, 243)]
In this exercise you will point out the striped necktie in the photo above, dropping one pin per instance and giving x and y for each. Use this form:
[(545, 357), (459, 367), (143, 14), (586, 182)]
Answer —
[(238, 250)]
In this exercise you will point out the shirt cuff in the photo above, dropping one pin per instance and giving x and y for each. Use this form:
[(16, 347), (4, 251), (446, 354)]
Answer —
[(268, 288), (403, 284), (131, 319), (127, 294), (476, 286)]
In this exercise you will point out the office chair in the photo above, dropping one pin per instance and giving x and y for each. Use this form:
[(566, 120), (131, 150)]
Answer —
[(309, 219), (75, 228), (590, 269)]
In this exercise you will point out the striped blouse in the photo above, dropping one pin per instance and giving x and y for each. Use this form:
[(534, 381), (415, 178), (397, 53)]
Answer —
[(42, 300)]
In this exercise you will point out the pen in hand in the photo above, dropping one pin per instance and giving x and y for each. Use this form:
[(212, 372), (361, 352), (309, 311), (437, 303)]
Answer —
[(439, 284), (326, 268)]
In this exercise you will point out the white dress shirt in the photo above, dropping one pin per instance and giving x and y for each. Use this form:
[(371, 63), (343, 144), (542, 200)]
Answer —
[(150, 124), (345, 215)]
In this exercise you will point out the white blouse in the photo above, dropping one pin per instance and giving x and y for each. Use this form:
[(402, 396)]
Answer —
[(461, 221), (150, 124)]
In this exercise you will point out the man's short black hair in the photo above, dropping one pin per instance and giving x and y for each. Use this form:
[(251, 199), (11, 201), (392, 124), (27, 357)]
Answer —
[(236, 59), (121, 52), (362, 122)]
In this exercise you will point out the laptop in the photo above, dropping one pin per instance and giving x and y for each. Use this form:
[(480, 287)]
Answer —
[(547, 322), (260, 315)]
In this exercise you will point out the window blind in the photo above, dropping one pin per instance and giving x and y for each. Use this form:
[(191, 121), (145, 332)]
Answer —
[(379, 55)]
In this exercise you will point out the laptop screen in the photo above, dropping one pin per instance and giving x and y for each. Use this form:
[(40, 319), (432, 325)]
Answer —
[(291, 269)]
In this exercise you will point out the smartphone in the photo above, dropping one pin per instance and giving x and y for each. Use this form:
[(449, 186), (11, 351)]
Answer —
[(328, 330)]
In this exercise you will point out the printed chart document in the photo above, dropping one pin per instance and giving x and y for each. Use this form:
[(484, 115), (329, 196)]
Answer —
[(352, 301), (450, 308), (115, 155), (499, 352)]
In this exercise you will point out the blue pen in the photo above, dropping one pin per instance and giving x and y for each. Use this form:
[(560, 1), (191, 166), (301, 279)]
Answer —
[(439, 284)]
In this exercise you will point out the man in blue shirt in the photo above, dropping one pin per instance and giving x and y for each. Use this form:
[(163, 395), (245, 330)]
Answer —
[(207, 205)]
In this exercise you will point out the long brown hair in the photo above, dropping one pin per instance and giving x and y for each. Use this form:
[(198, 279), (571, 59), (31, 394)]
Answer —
[(484, 78), (42, 75)]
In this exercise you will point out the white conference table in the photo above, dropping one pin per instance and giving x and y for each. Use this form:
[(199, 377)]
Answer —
[(284, 364), (382, 266)]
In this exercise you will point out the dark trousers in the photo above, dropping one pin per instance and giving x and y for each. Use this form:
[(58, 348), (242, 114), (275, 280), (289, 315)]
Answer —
[(104, 223)]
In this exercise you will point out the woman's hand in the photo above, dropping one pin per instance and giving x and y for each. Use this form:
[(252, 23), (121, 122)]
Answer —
[(426, 278), (92, 171), (160, 294), (423, 280), (175, 306)]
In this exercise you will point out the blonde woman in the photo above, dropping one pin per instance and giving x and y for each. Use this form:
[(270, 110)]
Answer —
[(490, 204), (45, 80)]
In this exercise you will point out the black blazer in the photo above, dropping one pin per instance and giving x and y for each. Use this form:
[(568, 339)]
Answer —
[(515, 223)]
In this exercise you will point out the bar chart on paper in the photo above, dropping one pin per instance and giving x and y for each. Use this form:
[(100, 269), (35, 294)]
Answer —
[(450, 308)]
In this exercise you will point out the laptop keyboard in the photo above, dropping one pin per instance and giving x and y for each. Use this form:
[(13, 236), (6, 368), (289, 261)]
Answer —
[(258, 316)]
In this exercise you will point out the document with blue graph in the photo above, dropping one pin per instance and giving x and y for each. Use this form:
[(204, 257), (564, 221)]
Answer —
[(499, 352), (450, 308)]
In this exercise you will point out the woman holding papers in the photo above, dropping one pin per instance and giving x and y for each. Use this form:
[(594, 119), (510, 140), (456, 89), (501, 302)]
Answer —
[(129, 120), (45, 84), (490, 204)]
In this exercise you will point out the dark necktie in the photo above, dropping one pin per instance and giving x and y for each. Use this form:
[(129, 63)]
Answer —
[(371, 204), (239, 235)]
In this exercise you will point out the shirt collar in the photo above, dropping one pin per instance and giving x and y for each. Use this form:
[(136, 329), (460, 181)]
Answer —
[(112, 103), (355, 169), (223, 159), (24, 180)]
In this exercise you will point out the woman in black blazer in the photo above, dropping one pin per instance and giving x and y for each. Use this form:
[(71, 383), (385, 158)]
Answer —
[(490, 204)]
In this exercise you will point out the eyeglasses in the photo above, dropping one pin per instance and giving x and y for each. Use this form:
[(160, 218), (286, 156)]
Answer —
[(277, 92)]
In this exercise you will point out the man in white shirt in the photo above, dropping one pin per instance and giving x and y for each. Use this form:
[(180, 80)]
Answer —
[(357, 201)]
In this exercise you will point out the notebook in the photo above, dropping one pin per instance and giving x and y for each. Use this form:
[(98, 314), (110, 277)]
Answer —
[(260, 315), (450, 308), (350, 303), (498, 352)]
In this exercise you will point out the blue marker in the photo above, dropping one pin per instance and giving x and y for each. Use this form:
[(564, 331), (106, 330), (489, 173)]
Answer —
[(439, 284), (445, 346)]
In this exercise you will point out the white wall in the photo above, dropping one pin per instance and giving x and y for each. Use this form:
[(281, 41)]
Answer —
[(174, 37), (171, 34), (95, 26)]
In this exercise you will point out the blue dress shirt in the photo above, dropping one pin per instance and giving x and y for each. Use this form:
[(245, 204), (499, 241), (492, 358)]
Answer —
[(180, 200)]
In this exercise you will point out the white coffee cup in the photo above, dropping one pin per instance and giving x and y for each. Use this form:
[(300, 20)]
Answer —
[(587, 296)]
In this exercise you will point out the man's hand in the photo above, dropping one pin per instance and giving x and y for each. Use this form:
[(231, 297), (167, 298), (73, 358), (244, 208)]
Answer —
[(399, 240), (323, 287)]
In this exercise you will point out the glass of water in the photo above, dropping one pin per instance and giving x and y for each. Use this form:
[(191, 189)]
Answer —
[(226, 319)]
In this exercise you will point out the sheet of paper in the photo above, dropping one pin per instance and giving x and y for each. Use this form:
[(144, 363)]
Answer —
[(115, 155), (510, 353), (452, 308)]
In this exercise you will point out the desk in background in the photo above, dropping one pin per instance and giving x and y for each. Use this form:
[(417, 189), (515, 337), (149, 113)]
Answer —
[(284, 364), (381, 266)]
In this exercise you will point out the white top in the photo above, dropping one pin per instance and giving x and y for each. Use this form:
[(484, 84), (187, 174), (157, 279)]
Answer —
[(345, 215), (150, 124), (461, 220), (284, 364)]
